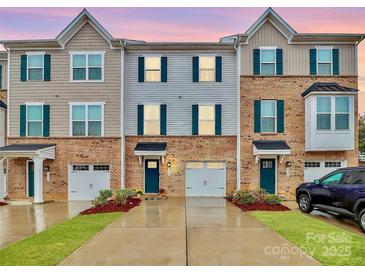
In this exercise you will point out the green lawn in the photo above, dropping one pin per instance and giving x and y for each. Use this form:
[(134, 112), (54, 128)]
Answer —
[(51, 246), (328, 244)]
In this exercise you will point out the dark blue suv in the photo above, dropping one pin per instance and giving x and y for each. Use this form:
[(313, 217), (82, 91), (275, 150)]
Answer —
[(342, 191)]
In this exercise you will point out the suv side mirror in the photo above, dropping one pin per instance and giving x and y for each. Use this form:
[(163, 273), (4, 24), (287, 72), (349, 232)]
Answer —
[(317, 181)]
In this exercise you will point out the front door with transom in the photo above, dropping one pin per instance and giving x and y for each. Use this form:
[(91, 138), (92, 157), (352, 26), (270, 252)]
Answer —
[(152, 176), (267, 175)]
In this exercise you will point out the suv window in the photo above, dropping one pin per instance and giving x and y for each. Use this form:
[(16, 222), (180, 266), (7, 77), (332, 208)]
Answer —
[(354, 177), (332, 179)]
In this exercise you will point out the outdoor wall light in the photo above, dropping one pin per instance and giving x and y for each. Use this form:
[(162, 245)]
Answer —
[(46, 168), (169, 164), (288, 164)]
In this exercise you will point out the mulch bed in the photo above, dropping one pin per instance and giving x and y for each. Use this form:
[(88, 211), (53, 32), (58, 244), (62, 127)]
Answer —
[(3, 204), (112, 207), (261, 207)]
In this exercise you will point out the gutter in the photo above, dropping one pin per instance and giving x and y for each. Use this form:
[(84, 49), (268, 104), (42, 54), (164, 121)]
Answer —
[(237, 47), (122, 134)]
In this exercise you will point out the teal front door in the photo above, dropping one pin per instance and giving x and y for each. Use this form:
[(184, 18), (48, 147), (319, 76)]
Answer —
[(267, 175), (30, 179), (152, 176)]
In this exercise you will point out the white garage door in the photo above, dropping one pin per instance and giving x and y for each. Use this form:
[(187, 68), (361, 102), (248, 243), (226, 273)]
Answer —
[(317, 169), (205, 179), (85, 181)]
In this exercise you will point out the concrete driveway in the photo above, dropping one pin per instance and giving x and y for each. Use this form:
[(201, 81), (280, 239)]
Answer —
[(20, 221), (195, 231)]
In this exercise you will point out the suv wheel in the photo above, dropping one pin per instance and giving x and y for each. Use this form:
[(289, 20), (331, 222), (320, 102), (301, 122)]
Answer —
[(304, 203), (362, 220)]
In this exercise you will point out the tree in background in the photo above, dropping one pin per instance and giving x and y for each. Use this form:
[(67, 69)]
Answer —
[(362, 133)]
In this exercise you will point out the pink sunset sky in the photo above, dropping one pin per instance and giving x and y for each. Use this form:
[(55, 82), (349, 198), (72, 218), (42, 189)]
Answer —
[(183, 24)]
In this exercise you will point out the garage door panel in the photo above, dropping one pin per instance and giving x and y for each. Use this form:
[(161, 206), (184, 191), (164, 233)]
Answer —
[(205, 179), (85, 183), (317, 169)]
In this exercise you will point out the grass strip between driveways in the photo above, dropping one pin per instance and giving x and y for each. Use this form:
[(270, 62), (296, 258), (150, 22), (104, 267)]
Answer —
[(326, 243), (51, 246)]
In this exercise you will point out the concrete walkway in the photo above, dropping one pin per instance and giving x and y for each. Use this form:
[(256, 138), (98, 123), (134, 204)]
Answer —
[(198, 231), (20, 221)]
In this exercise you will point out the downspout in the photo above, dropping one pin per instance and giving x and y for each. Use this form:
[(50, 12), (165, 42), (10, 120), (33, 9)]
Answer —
[(122, 137), (237, 47)]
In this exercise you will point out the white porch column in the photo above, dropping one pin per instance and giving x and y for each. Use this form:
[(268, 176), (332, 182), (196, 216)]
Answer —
[(38, 179), (2, 180)]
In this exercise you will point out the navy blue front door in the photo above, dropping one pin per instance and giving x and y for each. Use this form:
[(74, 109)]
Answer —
[(267, 175), (152, 176)]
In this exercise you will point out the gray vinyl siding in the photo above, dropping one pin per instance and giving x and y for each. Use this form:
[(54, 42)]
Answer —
[(180, 93), (4, 75), (60, 91), (295, 57)]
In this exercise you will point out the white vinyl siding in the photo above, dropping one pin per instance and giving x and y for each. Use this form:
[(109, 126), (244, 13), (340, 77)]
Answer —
[(180, 93)]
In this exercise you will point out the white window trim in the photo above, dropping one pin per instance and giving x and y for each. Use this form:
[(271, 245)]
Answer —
[(35, 53), (206, 105), (102, 53), (26, 117), (275, 117), (274, 48), (144, 120), (214, 71), (86, 104), (317, 61), (145, 70), (348, 113), (333, 114)]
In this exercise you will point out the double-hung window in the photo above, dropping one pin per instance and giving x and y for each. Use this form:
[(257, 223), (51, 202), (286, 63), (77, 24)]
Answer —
[(151, 120), (324, 110), (206, 120), (324, 61), (342, 115), (34, 125), (333, 109), (268, 61), (153, 69), (268, 116), (87, 119), (206, 68), (87, 66), (35, 67)]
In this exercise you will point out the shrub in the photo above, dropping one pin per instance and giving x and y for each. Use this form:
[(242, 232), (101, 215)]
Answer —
[(104, 196), (272, 199), (244, 197), (122, 195), (261, 195)]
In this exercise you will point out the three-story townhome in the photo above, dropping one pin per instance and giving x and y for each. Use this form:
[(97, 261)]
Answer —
[(299, 106), (268, 109)]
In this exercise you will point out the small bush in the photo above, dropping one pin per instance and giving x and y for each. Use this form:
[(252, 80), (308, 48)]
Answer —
[(244, 197), (104, 196), (272, 199), (122, 196)]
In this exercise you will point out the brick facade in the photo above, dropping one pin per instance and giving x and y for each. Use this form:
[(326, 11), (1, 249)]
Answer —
[(179, 150), (68, 150), (289, 89)]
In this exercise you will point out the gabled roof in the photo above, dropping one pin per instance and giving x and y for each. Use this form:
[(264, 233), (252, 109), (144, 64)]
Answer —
[(292, 36), (328, 88), (80, 20)]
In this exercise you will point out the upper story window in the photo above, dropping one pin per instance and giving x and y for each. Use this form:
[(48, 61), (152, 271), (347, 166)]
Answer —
[(151, 120), (333, 108), (324, 61), (206, 68), (268, 62), (87, 66), (87, 119), (268, 116), (153, 69), (206, 120), (35, 67), (34, 122)]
